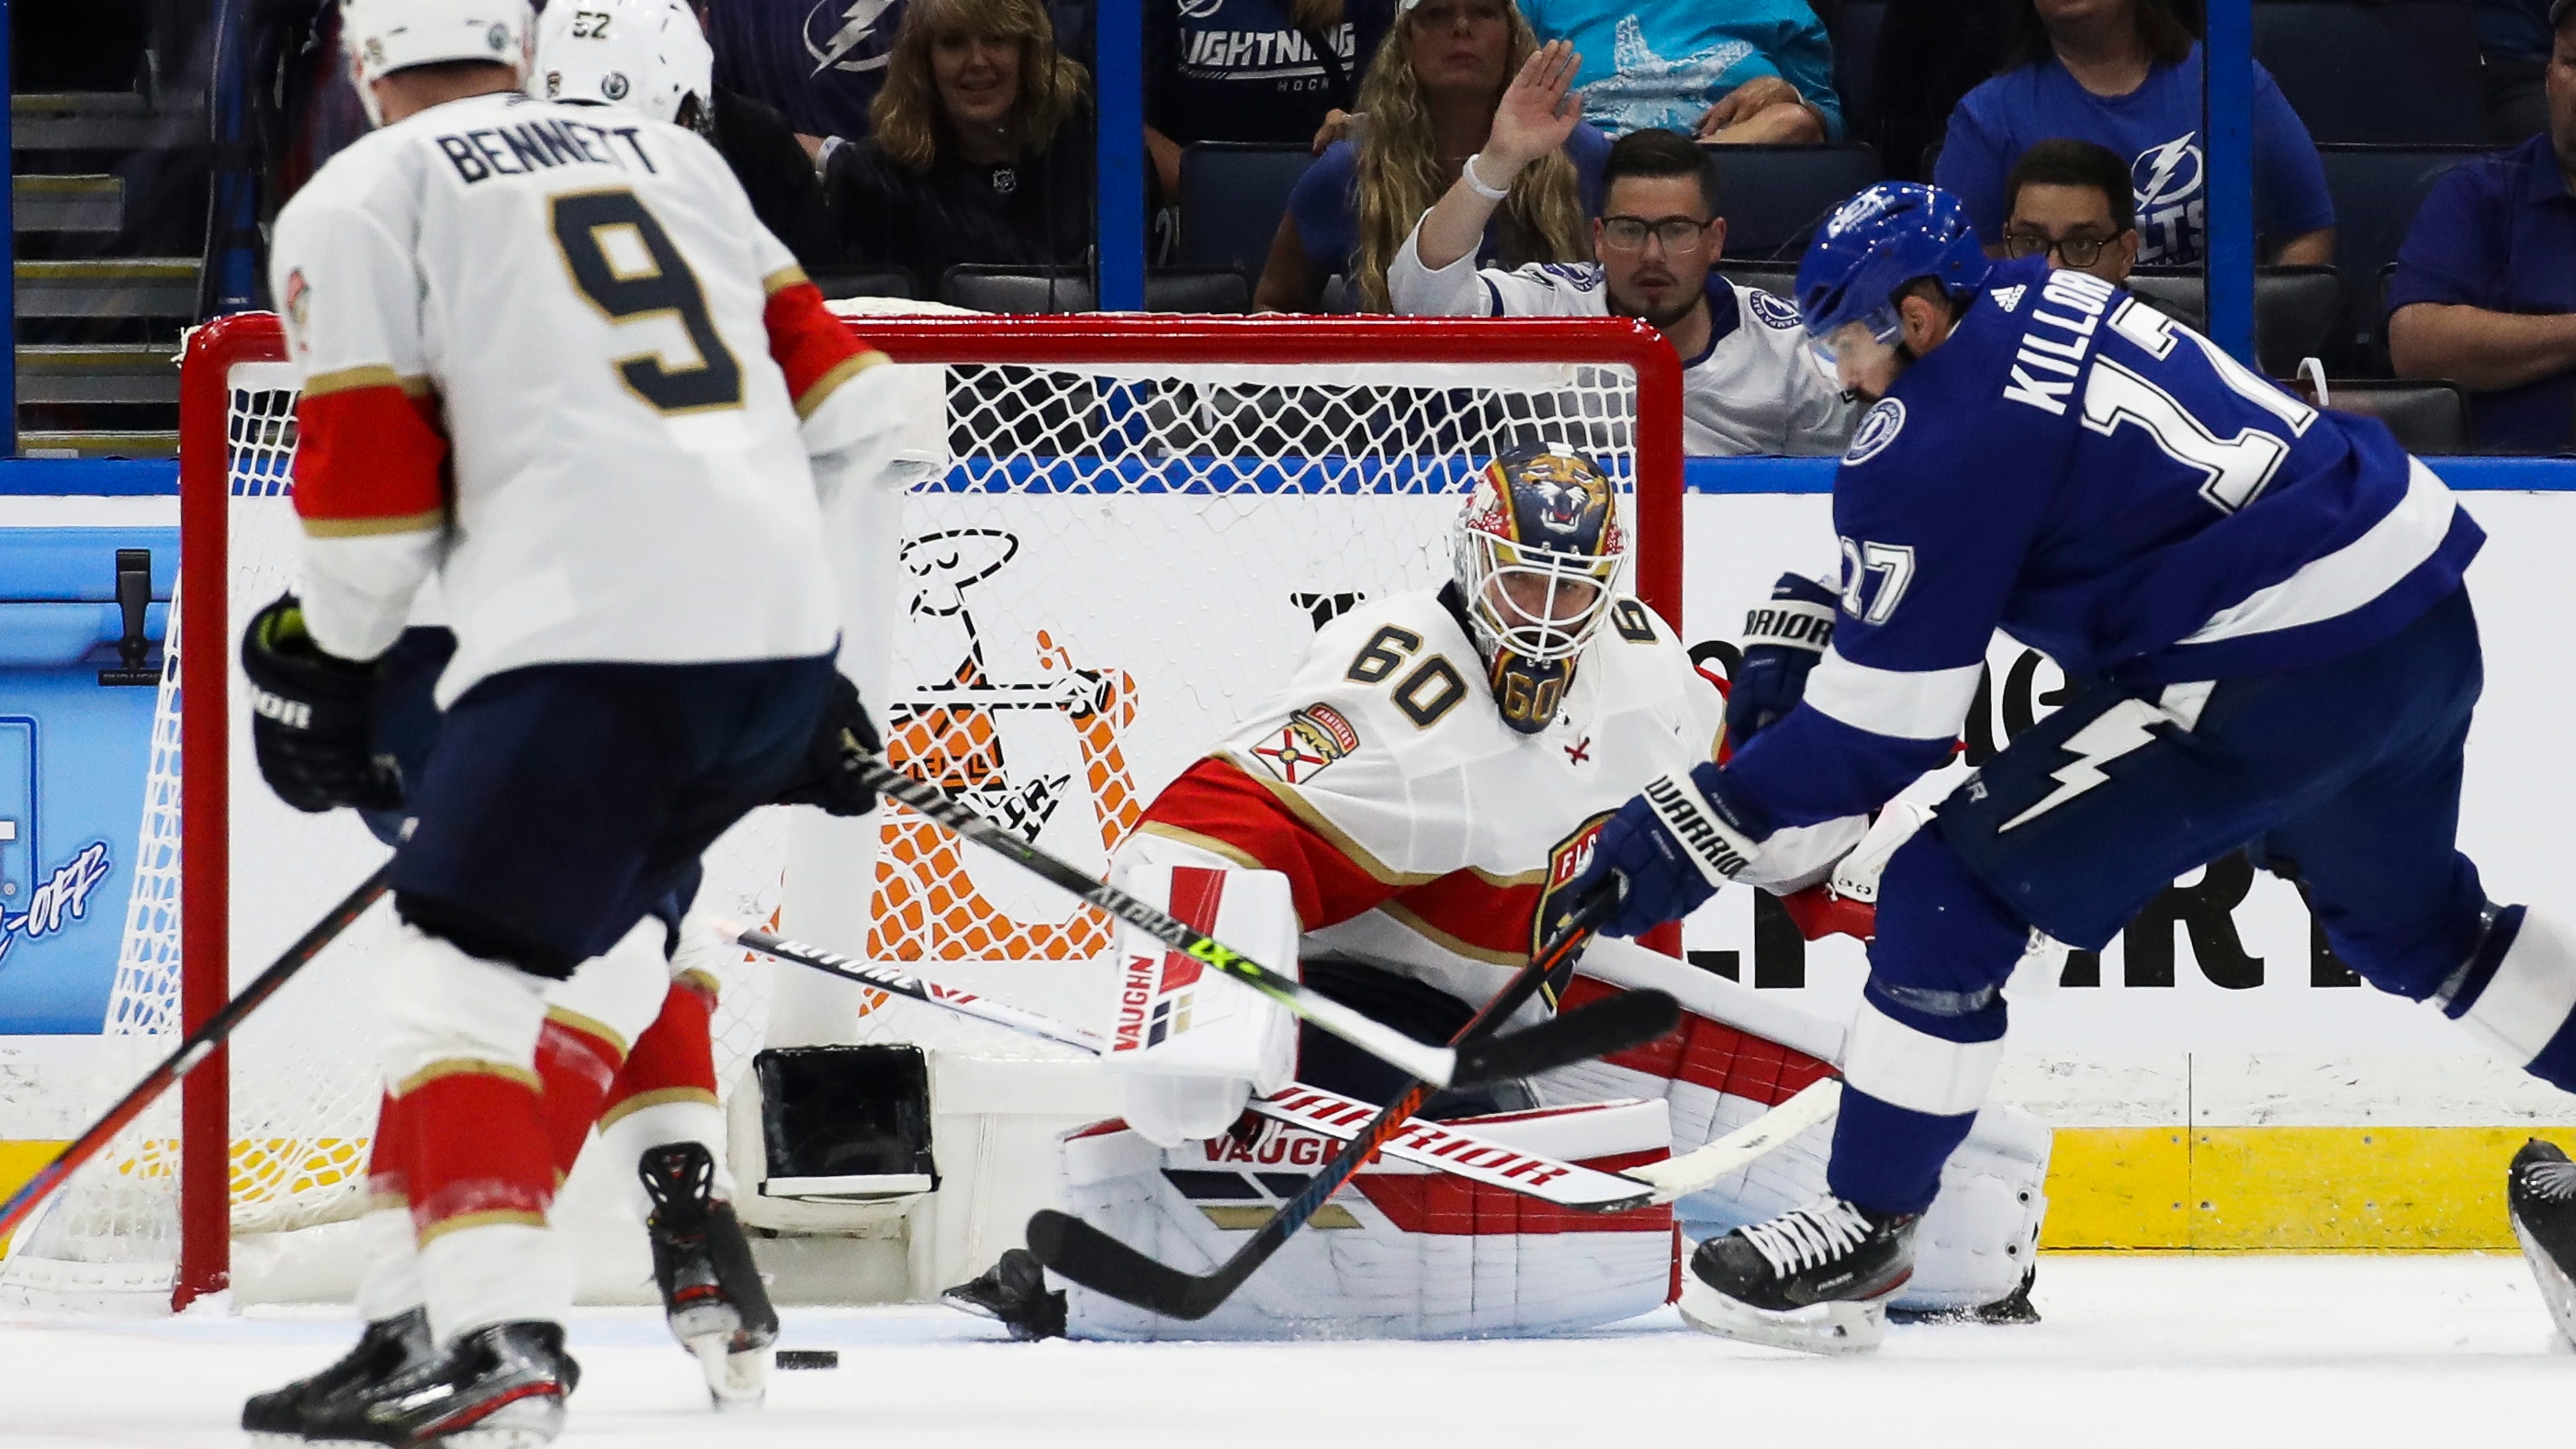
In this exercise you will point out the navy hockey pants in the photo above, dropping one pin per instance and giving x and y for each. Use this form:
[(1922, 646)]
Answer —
[(2345, 775)]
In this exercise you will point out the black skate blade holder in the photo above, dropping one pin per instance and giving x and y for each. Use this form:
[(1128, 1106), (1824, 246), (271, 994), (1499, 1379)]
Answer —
[(133, 598)]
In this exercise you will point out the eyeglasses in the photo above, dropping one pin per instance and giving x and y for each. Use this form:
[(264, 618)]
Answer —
[(1680, 235), (2078, 251)]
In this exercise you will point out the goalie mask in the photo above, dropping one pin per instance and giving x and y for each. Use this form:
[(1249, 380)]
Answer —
[(1537, 550)]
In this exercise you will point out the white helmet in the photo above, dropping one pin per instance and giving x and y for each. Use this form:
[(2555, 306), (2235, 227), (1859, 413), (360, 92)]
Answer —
[(385, 36), (645, 55)]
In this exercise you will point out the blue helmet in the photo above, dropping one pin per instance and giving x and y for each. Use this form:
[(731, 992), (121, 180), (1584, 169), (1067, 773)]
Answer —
[(1875, 243)]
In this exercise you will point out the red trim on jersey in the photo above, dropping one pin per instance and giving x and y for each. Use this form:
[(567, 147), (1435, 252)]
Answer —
[(1446, 1206), (368, 454), (806, 340), (1708, 1053), (1217, 799), (1477, 911)]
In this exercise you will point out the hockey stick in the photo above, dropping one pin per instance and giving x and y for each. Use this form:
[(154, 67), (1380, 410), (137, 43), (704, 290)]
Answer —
[(1441, 1147), (1463, 1063), (193, 1051), (1097, 1261)]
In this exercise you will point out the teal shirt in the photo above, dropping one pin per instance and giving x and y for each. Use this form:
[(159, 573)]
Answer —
[(1661, 63)]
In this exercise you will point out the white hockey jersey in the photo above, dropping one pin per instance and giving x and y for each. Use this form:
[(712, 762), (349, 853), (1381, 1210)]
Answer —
[(1753, 390), (1416, 828), (547, 351)]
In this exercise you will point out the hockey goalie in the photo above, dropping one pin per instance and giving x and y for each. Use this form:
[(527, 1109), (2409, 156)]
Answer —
[(1388, 826)]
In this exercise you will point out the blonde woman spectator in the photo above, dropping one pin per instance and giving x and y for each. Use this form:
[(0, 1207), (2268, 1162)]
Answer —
[(1425, 107), (979, 149)]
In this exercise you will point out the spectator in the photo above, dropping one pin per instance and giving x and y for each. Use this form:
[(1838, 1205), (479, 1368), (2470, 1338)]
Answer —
[(1428, 101), (2485, 291), (2069, 201), (2513, 51), (1730, 71), (1273, 71), (819, 65), (977, 153), (1747, 383), (2126, 74)]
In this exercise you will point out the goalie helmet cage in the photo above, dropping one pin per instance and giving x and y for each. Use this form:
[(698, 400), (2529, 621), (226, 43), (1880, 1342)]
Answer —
[(1233, 415)]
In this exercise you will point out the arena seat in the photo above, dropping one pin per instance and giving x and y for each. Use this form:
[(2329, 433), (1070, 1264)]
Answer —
[(1773, 196), (982, 287), (2427, 417), (1232, 196), (1778, 278), (840, 282), (2390, 73), (2295, 308)]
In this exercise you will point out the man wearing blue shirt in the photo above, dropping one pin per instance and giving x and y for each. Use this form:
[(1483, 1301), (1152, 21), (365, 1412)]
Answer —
[(2260, 609), (2127, 76), (2485, 291)]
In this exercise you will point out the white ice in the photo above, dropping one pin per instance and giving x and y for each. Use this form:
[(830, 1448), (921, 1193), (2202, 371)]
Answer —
[(2173, 1351)]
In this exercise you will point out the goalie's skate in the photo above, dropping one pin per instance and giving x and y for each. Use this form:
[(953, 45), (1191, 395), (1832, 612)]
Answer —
[(711, 1289), (389, 1346), (1816, 1278), (2540, 1191), (499, 1387), (1013, 1293)]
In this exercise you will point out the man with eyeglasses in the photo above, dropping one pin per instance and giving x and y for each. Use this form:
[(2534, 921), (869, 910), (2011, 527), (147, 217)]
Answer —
[(1747, 386), (2069, 201)]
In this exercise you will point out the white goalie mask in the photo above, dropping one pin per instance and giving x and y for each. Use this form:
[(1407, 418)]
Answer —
[(384, 36), (1538, 550), (648, 56)]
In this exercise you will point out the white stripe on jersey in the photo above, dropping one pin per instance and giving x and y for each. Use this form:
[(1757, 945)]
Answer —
[(1906, 704), (2351, 576)]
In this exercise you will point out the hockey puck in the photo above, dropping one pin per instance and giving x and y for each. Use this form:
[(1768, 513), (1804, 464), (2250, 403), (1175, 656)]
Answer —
[(808, 1358)]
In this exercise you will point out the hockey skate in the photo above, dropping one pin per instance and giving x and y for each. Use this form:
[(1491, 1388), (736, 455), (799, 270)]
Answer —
[(499, 1387), (1013, 1292), (2540, 1193), (389, 1346), (711, 1289), (1816, 1278)]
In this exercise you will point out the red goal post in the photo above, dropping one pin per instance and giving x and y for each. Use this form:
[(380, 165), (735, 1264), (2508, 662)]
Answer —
[(1643, 383)]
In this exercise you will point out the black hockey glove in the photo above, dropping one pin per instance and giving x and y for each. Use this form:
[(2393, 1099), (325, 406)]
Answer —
[(311, 718), (828, 776), (1783, 639)]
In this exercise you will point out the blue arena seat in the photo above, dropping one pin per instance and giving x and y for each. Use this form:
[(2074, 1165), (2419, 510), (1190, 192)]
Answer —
[(1232, 196), (2389, 73), (1773, 196), (2376, 191)]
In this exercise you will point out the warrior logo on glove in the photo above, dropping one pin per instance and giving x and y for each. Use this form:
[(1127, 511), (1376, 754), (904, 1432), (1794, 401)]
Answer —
[(1538, 549)]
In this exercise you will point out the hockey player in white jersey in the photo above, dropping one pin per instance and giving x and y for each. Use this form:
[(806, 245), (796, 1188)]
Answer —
[(1747, 385), (1391, 821), (548, 356)]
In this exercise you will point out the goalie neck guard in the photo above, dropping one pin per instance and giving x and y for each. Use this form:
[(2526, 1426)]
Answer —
[(1537, 551), (646, 55)]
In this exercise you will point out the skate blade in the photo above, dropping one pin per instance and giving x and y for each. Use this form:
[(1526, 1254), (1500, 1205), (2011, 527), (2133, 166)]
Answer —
[(714, 1318), (2556, 1289), (735, 1381), (1823, 1328)]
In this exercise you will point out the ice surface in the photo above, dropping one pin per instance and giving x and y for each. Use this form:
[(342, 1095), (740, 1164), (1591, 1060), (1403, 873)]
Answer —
[(2166, 1351)]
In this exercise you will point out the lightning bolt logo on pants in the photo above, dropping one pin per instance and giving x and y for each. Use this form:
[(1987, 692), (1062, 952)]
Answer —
[(2123, 727)]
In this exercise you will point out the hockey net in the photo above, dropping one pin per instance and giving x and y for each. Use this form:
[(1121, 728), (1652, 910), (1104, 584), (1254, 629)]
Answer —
[(1123, 532)]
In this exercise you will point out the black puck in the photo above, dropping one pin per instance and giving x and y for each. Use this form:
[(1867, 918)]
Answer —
[(808, 1358)]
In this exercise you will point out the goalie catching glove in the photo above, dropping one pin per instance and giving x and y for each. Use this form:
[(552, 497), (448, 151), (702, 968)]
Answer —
[(828, 777), (312, 717)]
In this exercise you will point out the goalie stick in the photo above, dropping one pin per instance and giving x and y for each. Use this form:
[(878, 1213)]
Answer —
[(1443, 1147), (1094, 1259), (193, 1050), (1465, 1062)]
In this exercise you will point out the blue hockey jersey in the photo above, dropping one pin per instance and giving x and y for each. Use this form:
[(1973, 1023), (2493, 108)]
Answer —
[(2106, 486)]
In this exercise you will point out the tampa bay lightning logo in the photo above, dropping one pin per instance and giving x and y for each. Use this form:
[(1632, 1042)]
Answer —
[(1857, 210), (1776, 312), (1878, 428), (858, 36), (1200, 9), (2166, 173)]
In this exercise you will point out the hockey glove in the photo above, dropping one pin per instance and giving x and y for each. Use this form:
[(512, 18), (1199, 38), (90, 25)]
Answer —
[(1783, 639), (1672, 847), (311, 722), (828, 778)]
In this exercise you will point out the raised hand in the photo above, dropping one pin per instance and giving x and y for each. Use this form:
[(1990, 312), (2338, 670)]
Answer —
[(1538, 111)]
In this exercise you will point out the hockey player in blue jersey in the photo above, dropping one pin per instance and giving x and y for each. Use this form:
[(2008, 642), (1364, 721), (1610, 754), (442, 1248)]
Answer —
[(2262, 606)]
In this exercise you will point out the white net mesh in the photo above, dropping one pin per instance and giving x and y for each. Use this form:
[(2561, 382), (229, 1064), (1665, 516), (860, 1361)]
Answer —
[(1117, 562)]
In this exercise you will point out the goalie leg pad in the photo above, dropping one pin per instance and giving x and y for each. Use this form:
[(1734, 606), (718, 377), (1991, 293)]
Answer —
[(1191, 1044)]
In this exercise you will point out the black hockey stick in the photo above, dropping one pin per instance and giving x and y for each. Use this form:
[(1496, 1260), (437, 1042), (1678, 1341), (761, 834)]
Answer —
[(193, 1051), (1103, 1264), (1464, 1063)]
